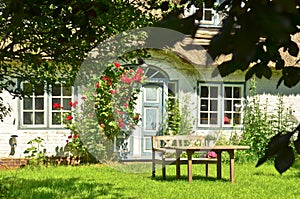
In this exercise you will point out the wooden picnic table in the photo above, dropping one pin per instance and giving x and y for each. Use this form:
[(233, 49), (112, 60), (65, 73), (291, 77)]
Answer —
[(218, 149)]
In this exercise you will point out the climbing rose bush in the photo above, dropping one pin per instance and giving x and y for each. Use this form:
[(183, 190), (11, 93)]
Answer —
[(106, 110), (115, 97)]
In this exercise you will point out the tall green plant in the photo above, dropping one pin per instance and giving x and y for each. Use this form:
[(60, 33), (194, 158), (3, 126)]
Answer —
[(257, 131), (260, 126), (172, 126)]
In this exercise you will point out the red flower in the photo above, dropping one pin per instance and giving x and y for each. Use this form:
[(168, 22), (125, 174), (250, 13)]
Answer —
[(125, 104), (73, 104), (136, 117), (102, 125), (105, 78), (117, 65), (97, 85), (120, 120), (75, 136), (69, 117), (83, 97), (70, 136), (56, 105)]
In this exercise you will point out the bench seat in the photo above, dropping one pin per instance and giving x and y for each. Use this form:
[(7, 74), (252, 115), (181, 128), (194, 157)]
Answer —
[(160, 155)]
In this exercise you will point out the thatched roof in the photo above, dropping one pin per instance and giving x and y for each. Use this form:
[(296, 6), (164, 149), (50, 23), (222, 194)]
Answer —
[(204, 35)]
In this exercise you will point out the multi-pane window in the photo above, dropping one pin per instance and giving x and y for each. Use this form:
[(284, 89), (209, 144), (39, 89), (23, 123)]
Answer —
[(60, 95), (37, 108), (232, 105), (209, 102), (220, 104), (209, 14), (34, 105)]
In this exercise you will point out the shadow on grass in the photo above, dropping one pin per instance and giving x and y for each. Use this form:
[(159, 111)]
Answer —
[(63, 188), (185, 178)]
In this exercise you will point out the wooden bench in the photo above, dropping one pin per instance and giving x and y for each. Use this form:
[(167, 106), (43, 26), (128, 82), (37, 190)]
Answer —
[(163, 156)]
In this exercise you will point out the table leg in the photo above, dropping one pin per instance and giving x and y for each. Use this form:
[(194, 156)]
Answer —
[(190, 163), (178, 164), (231, 154), (219, 164)]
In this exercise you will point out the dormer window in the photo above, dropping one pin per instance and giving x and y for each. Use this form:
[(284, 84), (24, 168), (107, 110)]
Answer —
[(206, 14)]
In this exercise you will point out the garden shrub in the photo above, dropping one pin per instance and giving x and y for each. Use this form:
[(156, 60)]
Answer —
[(260, 126)]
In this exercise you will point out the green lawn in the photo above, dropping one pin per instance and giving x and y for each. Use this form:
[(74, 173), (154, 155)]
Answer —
[(100, 181)]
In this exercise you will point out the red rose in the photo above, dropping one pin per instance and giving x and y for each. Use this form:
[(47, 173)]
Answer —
[(117, 65), (56, 105), (73, 104), (69, 117)]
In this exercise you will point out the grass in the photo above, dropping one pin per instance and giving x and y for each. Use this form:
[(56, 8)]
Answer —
[(101, 181)]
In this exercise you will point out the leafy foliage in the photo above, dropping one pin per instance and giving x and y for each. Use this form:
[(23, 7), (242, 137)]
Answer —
[(107, 111), (254, 32), (46, 41), (264, 131), (35, 152)]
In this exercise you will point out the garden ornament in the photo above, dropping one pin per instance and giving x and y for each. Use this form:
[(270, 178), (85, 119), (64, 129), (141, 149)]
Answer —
[(13, 144)]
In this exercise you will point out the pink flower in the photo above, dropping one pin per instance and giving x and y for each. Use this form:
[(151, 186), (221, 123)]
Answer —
[(130, 71), (69, 117), (125, 104), (102, 125), (112, 91), (91, 114), (56, 105), (120, 113), (126, 79), (117, 65), (97, 85), (120, 120), (121, 124), (73, 104), (140, 71), (212, 154), (137, 78)]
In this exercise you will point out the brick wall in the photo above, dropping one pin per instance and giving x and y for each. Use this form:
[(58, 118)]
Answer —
[(12, 163)]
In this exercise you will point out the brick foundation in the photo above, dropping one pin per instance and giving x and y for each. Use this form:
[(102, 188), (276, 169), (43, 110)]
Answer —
[(12, 163)]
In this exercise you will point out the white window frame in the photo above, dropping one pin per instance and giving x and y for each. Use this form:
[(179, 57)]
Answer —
[(216, 17), (48, 109), (209, 99), (239, 110), (220, 104), (33, 96), (61, 111)]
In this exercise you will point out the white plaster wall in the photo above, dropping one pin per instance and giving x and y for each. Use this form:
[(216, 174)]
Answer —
[(9, 126)]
